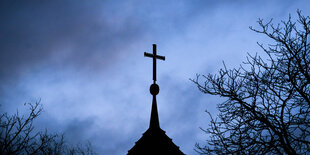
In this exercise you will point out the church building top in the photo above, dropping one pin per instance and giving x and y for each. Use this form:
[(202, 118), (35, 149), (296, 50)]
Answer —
[(154, 140)]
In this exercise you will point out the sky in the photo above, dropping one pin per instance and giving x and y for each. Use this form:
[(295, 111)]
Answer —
[(84, 61)]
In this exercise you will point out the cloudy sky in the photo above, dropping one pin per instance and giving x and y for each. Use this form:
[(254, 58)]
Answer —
[(84, 61)]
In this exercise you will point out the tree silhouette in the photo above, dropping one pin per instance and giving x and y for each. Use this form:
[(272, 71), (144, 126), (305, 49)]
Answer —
[(267, 110), (17, 136)]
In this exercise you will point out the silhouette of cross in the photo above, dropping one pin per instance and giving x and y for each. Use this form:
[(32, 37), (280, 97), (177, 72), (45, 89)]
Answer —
[(154, 56)]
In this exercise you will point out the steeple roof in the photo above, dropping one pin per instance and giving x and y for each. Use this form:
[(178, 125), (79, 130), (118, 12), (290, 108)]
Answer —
[(154, 140)]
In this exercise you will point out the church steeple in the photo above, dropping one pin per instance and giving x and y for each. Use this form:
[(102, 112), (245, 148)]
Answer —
[(154, 89), (154, 140)]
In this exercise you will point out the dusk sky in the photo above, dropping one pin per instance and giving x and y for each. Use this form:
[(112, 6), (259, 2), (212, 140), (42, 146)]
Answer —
[(84, 60)]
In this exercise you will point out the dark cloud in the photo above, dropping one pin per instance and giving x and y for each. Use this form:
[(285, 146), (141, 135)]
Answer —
[(60, 33), (33, 31)]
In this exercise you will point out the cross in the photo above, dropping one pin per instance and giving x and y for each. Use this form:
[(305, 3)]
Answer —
[(154, 56)]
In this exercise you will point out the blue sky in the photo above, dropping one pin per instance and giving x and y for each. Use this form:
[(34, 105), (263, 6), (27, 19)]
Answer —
[(84, 60)]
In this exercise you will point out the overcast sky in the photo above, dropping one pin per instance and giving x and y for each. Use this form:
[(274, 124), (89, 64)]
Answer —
[(84, 60)]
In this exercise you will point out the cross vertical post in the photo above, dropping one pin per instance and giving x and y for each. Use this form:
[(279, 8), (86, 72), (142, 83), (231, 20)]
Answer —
[(154, 56), (154, 62)]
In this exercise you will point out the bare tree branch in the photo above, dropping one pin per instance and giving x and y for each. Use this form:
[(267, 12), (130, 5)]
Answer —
[(267, 110)]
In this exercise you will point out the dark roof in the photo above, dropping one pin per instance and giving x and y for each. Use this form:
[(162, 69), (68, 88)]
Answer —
[(154, 140)]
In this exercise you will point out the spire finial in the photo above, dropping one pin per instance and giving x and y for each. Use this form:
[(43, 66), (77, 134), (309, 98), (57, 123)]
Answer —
[(154, 89)]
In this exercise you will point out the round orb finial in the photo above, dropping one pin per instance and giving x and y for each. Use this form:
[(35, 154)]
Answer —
[(154, 89)]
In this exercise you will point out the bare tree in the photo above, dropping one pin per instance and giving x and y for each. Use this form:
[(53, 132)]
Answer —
[(17, 136), (267, 110)]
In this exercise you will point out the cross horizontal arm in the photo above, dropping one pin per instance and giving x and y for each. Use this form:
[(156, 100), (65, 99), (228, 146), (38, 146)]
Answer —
[(156, 56)]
